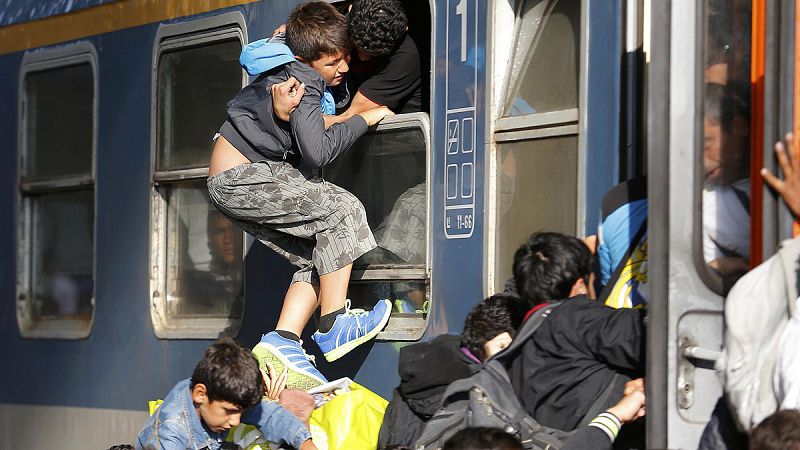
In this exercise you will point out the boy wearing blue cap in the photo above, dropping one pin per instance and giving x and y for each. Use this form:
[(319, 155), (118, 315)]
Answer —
[(263, 177)]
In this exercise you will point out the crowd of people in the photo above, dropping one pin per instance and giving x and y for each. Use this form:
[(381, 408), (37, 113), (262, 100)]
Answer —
[(578, 374)]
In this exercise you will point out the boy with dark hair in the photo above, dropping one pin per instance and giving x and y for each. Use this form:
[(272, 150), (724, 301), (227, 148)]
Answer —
[(780, 431), (491, 325), (584, 350), (427, 368), (262, 176), (226, 387), (482, 438)]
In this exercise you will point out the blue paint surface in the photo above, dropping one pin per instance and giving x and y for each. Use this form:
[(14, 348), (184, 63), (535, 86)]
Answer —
[(17, 11)]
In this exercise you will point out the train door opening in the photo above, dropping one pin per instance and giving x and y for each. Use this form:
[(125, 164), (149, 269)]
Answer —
[(389, 171)]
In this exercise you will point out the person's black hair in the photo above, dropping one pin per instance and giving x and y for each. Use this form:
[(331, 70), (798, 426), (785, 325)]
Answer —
[(376, 26), (780, 431), (548, 265), (121, 447), (482, 438), (395, 447), (230, 373), (489, 318), (316, 29), (723, 103)]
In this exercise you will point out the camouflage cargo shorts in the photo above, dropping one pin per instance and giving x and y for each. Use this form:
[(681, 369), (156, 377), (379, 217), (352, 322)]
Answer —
[(316, 225)]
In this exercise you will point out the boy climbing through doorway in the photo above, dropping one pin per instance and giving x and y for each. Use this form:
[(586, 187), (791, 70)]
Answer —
[(263, 177)]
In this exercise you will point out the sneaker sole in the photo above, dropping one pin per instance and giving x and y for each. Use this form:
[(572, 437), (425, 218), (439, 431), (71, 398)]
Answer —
[(296, 377), (347, 347)]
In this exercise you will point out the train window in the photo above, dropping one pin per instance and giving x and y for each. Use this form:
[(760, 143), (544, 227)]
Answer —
[(197, 254), (537, 160), (387, 169), (57, 203), (725, 197), (545, 72)]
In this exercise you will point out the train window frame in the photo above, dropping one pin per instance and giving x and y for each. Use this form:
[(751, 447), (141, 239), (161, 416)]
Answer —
[(401, 326), (171, 38), (546, 125), (56, 327)]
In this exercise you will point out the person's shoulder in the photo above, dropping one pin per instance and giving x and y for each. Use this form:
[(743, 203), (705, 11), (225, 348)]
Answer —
[(406, 51), (305, 74)]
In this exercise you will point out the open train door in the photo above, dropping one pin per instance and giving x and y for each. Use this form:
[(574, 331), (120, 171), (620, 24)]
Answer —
[(720, 90)]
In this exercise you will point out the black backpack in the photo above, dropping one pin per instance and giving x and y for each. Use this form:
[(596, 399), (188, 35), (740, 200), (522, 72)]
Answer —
[(487, 399)]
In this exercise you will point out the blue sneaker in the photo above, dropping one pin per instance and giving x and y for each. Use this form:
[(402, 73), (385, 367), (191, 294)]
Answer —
[(281, 352), (352, 329)]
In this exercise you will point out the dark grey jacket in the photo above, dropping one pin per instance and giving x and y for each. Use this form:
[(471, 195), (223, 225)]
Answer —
[(254, 129)]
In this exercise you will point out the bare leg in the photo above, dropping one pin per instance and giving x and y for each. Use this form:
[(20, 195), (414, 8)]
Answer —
[(333, 289), (299, 304)]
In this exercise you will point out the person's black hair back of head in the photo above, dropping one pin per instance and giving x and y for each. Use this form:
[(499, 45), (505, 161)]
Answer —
[(548, 264), (316, 29), (489, 318), (376, 26), (482, 438), (121, 447), (780, 431), (230, 373)]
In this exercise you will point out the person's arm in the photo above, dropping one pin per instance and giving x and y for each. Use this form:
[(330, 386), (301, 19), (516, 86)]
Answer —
[(789, 187), (277, 424), (319, 146), (603, 429), (359, 104), (171, 435), (617, 337)]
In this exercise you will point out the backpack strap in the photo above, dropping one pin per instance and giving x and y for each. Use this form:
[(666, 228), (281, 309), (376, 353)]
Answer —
[(531, 324), (621, 265), (599, 405)]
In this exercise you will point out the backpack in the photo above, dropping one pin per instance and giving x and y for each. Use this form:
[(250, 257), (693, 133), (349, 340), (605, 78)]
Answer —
[(757, 309), (487, 399)]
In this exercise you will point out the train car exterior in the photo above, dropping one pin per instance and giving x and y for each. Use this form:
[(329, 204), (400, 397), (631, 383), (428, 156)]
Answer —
[(115, 274)]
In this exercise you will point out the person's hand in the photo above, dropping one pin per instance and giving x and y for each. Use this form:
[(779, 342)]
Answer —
[(631, 407), (789, 187), (286, 96), (281, 29), (299, 403), (375, 115), (274, 384), (634, 385)]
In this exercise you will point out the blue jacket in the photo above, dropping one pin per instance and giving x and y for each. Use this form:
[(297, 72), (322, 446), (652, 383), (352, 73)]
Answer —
[(177, 426)]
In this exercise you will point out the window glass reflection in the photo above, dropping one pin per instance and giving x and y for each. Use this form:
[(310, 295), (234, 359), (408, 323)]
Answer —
[(525, 203), (547, 55), (63, 254), (726, 140), (204, 256), (59, 121), (194, 84)]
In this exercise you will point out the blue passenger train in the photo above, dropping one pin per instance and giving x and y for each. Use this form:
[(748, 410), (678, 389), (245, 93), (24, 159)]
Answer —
[(116, 274)]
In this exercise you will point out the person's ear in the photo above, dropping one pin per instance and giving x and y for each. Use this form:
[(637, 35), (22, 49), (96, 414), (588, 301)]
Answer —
[(578, 288), (199, 394)]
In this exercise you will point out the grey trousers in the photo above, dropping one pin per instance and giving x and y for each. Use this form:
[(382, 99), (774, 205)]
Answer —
[(316, 225)]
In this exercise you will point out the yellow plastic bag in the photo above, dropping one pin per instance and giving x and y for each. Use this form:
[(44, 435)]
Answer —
[(349, 421)]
